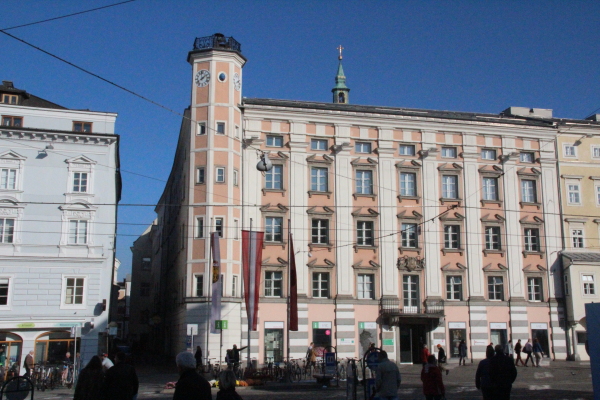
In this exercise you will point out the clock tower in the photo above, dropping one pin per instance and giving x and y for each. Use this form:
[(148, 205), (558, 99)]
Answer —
[(340, 90)]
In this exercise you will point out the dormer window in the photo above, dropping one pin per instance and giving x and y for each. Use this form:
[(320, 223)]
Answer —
[(10, 99), (85, 127), (12, 121)]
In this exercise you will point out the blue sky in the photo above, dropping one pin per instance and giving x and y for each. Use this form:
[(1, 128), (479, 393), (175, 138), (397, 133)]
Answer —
[(481, 56)]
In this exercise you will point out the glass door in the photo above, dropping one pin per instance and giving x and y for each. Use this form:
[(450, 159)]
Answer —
[(498, 336), (273, 345), (406, 344), (410, 292), (456, 335)]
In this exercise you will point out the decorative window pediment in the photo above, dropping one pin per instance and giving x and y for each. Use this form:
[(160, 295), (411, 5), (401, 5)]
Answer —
[(409, 164), (497, 218), (533, 221), (413, 215), (279, 208), (327, 264), (529, 172), (534, 268), (495, 268), (369, 214), (326, 211), (457, 267), (452, 217), (450, 167), (323, 159), (11, 156)]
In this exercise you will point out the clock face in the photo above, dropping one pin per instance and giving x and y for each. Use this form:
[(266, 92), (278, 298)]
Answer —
[(202, 78), (237, 82)]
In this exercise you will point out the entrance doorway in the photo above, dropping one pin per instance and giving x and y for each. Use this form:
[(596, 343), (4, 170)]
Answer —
[(456, 335), (412, 340), (274, 345), (12, 345), (542, 336), (498, 336)]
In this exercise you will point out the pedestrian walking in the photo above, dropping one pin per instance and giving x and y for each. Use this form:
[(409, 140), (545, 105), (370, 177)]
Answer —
[(518, 349), (483, 381), (2, 364), (90, 384), (227, 386), (433, 384), (509, 350), (502, 373), (191, 385), (28, 363), (442, 359), (121, 381), (106, 363), (528, 349), (538, 352), (462, 352), (388, 379), (424, 354), (198, 357)]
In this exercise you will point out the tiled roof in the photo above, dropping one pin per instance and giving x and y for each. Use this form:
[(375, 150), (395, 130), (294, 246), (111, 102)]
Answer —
[(28, 100), (582, 257)]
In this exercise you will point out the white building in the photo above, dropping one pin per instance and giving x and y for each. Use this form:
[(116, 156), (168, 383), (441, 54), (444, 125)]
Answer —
[(59, 189)]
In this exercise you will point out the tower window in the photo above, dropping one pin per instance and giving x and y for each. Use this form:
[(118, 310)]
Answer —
[(341, 98)]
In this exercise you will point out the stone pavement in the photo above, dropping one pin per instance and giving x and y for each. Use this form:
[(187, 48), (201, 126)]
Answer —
[(556, 380)]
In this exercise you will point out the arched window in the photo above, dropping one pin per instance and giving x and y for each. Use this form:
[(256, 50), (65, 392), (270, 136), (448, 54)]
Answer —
[(12, 345), (53, 346), (341, 98)]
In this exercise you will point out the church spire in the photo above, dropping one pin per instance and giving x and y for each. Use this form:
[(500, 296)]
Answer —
[(340, 90)]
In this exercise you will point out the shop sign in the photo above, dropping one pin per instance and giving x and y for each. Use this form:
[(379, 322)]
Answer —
[(321, 325), (274, 325), (367, 325), (346, 341), (539, 325), (498, 325), (388, 342), (457, 325), (26, 325)]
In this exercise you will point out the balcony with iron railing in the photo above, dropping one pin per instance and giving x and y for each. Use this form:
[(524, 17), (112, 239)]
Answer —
[(396, 308), (217, 41)]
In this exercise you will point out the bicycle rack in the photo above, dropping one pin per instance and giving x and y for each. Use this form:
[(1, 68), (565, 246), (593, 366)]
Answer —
[(336, 364), (17, 388), (369, 384)]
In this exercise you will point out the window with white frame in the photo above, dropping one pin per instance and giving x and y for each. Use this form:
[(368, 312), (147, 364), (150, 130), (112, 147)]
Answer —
[(199, 285), (8, 179), (73, 290), (201, 175), (273, 281), (220, 174), (532, 239), (237, 131), (320, 285), (452, 237), (589, 287), (362, 147), (366, 286), (577, 238), (490, 188), (273, 178), (364, 182), (219, 226), (408, 184), (495, 288), (236, 226), (569, 150), (454, 287), (598, 195), (80, 182), (526, 157), (320, 231), (528, 191), (410, 292), (7, 230), (534, 288), (273, 229), (573, 193), (318, 144), (448, 152), (450, 186), (318, 179), (407, 150), (492, 238), (201, 128), (235, 177), (274, 141), (409, 235), (234, 285), (4, 286), (221, 128), (364, 233), (78, 231), (595, 151), (488, 154), (199, 227)]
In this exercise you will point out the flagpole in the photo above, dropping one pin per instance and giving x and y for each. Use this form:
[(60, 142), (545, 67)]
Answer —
[(289, 288), (247, 313), (208, 291)]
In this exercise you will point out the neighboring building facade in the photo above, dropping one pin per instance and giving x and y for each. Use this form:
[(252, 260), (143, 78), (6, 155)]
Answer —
[(59, 189), (412, 227)]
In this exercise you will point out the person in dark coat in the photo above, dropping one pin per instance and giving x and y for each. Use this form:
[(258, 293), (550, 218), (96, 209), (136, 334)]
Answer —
[(431, 376), (227, 386), (121, 381), (198, 357), (190, 386), (441, 358), (483, 381), (90, 384), (502, 373), (462, 352), (424, 354), (518, 349)]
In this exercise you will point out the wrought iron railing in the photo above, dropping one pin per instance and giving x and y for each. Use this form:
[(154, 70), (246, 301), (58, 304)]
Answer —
[(217, 41), (392, 306)]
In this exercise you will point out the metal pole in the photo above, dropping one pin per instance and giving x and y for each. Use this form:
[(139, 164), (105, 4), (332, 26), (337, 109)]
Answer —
[(289, 305), (192, 335), (250, 283), (221, 345), (207, 324)]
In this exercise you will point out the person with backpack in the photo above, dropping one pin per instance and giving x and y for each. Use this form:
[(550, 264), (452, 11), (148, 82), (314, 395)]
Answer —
[(528, 349), (518, 349), (537, 352), (431, 376), (502, 374)]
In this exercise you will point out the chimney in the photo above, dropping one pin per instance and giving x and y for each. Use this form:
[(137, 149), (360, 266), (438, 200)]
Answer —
[(8, 84), (528, 112), (594, 117)]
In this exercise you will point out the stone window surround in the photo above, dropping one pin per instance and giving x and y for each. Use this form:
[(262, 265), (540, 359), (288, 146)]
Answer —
[(449, 273), (364, 270), (573, 180), (80, 164), (533, 175), (326, 162), (413, 218), (63, 292), (415, 168), (12, 160), (538, 224), (504, 275), (542, 276), (370, 166), (78, 211), (497, 222), (372, 216), (594, 276), (11, 283), (456, 170), (494, 173)]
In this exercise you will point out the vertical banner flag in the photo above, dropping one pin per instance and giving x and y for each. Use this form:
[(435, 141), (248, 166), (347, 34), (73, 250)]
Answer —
[(252, 244), (293, 289), (215, 313)]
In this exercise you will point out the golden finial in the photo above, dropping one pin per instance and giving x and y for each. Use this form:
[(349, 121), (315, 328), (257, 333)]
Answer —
[(340, 48)]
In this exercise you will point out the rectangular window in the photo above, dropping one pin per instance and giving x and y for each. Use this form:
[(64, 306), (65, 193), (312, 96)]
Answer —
[(199, 285), (274, 141), (273, 280), (408, 184), (320, 285), (221, 128), (492, 238), (582, 337), (273, 178), (496, 288), (409, 235), (9, 99), (450, 186), (4, 282), (235, 229), (145, 289), (490, 189), (449, 152), (80, 182), (364, 182), (488, 154), (532, 239), (273, 229), (569, 150), (201, 175), (527, 157), (598, 195), (452, 236), (588, 284), (320, 231), (219, 226), (407, 150), (318, 144), (362, 147), (366, 286), (201, 128), (410, 293), (528, 191), (74, 291), (220, 175), (364, 233), (534, 289), (454, 287), (9, 179), (577, 238), (85, 127), (199, 227), (12, 121), (146, 264), (318, 179), (573, 193), (235, 177), (595, 152), (234, 285), (78, 230), (237, 131)]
